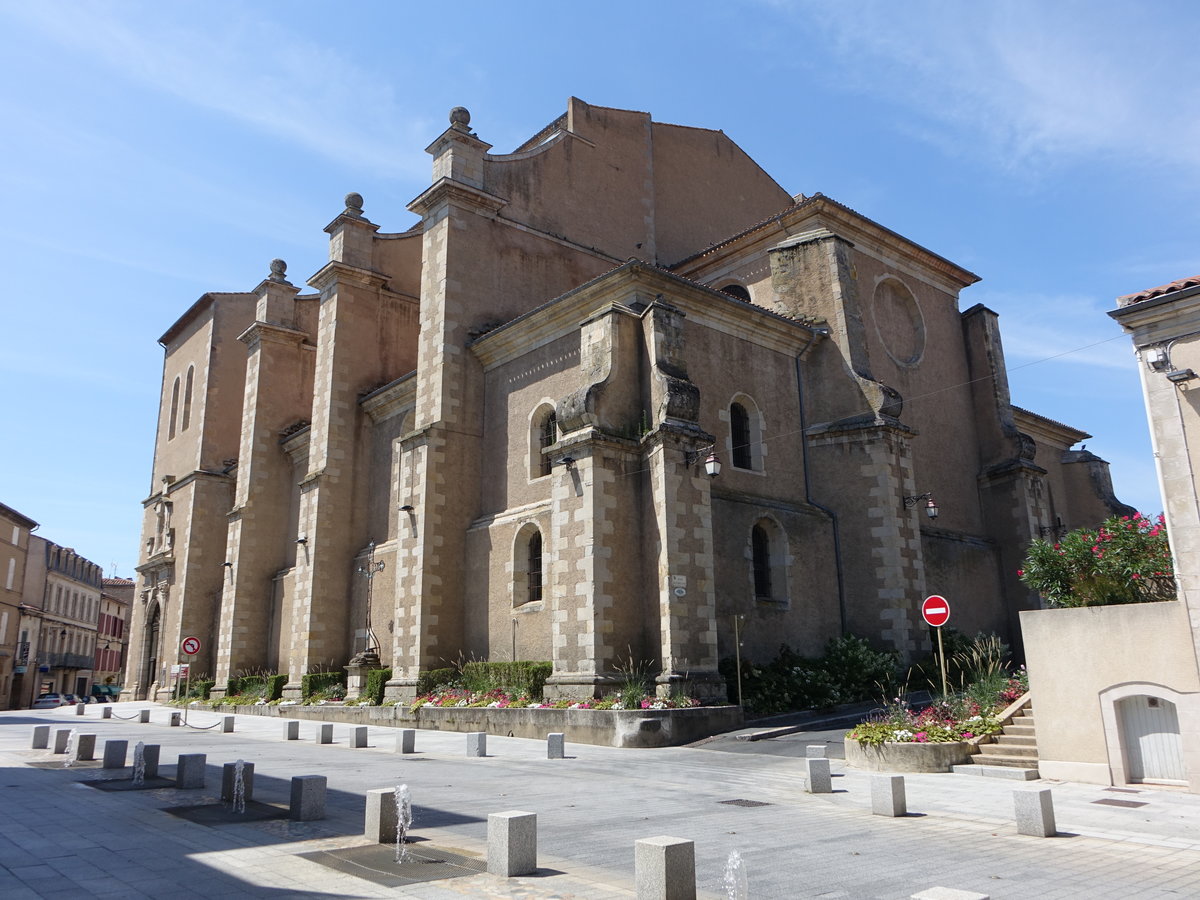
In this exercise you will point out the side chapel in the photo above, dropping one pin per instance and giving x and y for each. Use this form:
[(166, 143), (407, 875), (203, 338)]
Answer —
[(490, 435)]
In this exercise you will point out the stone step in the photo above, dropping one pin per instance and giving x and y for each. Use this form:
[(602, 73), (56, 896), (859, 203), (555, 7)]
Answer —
[(1008, 750), (1018, 730), (1003, 759), (1015, 740), (1014, 773)]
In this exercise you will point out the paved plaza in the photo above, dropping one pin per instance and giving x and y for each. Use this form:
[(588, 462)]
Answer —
[(60, 837)]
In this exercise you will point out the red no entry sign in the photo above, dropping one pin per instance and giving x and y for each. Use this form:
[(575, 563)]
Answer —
[(190, 646), (936, 610)]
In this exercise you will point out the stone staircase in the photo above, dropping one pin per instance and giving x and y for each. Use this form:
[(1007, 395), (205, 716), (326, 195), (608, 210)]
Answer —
[(1013, 752)]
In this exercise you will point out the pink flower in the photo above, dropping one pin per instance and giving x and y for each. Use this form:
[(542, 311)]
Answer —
[(968, 734), (921, 737), (1135, 575), (1020, 573)]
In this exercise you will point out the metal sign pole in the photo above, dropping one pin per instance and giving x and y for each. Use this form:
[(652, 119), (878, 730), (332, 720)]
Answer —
[(942, 658), (737, 654)]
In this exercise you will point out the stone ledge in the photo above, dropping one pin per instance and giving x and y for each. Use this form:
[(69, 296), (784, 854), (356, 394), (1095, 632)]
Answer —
[(1010, 772), (634, 728)]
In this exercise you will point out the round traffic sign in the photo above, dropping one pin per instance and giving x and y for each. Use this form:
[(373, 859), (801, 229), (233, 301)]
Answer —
[(190, 646), (936, 610)]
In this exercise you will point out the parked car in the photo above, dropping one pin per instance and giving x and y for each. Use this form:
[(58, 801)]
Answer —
[(99, 698), (50, 701), (71, 699)]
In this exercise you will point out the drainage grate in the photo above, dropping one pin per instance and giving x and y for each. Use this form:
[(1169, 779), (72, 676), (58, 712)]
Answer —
[(58, 764), (214, 814), (1122, 790), (377, 863), (126, 784), (1124, 804), (749, 803)]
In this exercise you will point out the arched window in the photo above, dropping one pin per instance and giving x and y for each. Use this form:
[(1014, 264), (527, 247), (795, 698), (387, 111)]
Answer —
[(769, 561), (174, 409), (534, 569), (760, 544), (543, 434), (736, 290), (187, 398), (739, 429)]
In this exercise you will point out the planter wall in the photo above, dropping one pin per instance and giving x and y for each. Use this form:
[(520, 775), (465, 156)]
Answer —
[(907, 757), (606, 727)]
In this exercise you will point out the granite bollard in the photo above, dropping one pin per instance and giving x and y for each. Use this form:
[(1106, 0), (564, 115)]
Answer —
[(144, 716), (80, 709), (358, 736), (175, 719), (85, 747), (308, 798), (665, 868), (106, 713), (406, 741), (556, 746), (814, 751), (189, 772), (229, 777), (512, 843), (325, 733), (819, 779), (379, 824), (115, 753), (887, 796), (291, 730), (150, 756), (61, 737), (1035, 812), (41, 737), (477, 743), (227, 725)]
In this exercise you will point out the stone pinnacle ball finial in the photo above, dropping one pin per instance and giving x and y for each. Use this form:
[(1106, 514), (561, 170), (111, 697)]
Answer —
[(278, 271), (460, 115), (354, 204)]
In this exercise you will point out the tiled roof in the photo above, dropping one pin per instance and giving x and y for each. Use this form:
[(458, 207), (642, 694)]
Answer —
[(118, 582), (1151, 293)]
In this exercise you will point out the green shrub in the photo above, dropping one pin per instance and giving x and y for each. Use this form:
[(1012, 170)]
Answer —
[(321, 683), (252, 687), (376, 679), (198, 689), (428, 682), (520, 677)]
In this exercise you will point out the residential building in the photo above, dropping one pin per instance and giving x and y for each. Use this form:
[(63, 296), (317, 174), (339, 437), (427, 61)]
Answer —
[(112, 639), (15, 530)]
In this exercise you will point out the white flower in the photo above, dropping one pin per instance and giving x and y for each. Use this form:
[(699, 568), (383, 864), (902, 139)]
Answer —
[(903, 734), (495, 704)]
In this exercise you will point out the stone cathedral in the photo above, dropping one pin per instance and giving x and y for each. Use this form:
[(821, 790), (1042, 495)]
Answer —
[(609, 395)]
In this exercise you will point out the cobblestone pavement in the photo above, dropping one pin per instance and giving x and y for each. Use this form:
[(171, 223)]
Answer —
[(60, 837)]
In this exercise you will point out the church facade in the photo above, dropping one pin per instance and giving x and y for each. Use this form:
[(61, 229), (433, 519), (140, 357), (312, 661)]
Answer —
[(491, 435)]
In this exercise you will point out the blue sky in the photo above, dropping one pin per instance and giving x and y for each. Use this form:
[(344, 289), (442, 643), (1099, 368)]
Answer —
[(153, 151)]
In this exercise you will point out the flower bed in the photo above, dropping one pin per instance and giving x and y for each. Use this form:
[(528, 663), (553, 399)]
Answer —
[(907, 757), (459, 698)]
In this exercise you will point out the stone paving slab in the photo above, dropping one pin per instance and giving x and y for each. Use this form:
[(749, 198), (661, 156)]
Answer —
[(591, 808)]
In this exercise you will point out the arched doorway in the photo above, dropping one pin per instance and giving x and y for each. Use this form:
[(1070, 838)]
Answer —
[(1150, 739), (150, 653)]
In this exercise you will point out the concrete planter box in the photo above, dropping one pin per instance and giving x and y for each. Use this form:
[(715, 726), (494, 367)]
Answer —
[(907, 757), (606, 727)]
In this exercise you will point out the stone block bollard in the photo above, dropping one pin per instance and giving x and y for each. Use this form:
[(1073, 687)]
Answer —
[(144, 716), (358, 736), (477, 743), (814, 751), (228, 776), (406, 741), (1035, 812), (943, 893), (189, 772), (176, 719), (887, 796), (308, 798), (556, 746), (819, 779), (114, 754), (291, 730), (85, 747), (379, 823), (227, 725), (665, 868), (325, 733), (41, 737), (80, 709), (512, 843), (150, 756), (106, 713), (61, 737)]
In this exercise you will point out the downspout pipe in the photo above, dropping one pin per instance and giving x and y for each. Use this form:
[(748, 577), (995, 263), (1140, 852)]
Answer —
[(808, 497)]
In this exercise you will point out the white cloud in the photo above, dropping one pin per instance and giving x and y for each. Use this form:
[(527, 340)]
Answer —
[(1029, 84), (250, 70)]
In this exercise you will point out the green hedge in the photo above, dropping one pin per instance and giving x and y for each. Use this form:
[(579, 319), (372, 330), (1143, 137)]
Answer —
[(199, 689), (316, 682), (376, 679), (428, 682), (269, 687), (520, 677)]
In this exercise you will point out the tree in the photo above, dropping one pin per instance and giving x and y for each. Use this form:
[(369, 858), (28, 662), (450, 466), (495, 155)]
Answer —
[(1125, 560)]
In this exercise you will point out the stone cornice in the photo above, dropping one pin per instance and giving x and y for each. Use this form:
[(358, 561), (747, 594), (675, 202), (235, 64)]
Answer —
[(343, 219), (445, 190), (269, 332), (390, 399), (295, 445), (1162, 318), (335, 271)]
